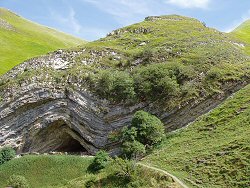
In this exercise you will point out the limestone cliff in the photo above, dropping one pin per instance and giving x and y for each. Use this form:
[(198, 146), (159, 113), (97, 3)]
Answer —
[(47, 103)]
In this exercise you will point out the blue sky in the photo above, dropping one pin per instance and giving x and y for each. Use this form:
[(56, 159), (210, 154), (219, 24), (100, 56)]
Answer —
[(92, 19)]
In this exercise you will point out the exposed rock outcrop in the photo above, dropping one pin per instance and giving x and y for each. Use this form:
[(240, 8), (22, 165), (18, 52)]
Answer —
[(46, 104), (42, 117)]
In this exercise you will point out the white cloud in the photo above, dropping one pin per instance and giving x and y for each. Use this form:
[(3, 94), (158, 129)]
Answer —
[(125, 11), (68, 20), (189, 3), (70, 24)]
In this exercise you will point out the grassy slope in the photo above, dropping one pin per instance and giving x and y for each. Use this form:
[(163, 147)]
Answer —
[(242, 33), (214, 151), (45, 171), (28, 39), (71, 171)]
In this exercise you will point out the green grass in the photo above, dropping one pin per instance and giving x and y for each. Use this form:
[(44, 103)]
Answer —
[(72, 171), (45, 171), (243, 33), (214, 151), (26, 39)]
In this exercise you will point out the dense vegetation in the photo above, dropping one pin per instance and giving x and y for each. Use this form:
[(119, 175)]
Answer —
[(145, 132), (214, 150), (21, 39), (6, 154), (72, 171), (18, 182)]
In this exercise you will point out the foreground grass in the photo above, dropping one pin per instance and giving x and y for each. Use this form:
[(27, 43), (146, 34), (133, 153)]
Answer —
[(214, 151), (45, 171), (25, 39)]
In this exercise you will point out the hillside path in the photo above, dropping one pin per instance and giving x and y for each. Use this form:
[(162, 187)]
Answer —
[(167, 173)]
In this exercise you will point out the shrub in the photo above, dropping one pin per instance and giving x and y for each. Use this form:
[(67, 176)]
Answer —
[(154, 81), (115, 85), (100, 161), (18, 182), (146, 130), (6, 154), (133, 149), (124, 168), (91, 182), (150, 129), (128, 134)]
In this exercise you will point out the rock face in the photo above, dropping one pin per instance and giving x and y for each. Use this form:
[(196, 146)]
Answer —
[(42, 117), (45, 107)]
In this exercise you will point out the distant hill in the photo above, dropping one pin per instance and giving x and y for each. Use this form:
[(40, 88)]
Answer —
[(22, 39), (242, 32)]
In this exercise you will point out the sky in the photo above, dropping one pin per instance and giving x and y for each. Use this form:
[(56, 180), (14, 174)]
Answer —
[(93, 19)]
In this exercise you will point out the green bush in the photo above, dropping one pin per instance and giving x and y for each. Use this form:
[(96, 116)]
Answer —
[(146, 131), (133, 149), (91, 182), (100, 161), (126, 169), (6, 154), (18, 182), (154, 81), (150, 129), (115, 85)]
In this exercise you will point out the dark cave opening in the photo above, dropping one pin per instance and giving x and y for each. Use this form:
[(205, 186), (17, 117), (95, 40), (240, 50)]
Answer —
[(71, 145), (56, 137)]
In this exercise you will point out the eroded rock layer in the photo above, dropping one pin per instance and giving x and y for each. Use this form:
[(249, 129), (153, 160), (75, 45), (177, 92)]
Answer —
[(47, 103), (45, 119)]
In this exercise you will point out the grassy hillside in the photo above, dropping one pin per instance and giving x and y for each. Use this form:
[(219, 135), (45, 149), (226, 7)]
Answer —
[(243, 33), (21, 39), (72, 171), (214, 151), (45, 171)]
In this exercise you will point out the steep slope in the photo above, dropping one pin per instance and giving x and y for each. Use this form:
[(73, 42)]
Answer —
[(242, 32), (172, 66), (214, 151), (21, 39)]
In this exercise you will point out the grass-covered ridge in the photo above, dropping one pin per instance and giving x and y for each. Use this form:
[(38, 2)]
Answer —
[(214, 151), (21, 39), (242, 32)]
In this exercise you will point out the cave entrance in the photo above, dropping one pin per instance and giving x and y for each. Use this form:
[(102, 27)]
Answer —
[(70, 145), (56, 137)]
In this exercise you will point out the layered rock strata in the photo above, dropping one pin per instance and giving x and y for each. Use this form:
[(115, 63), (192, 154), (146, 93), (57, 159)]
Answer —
[(42, 117)]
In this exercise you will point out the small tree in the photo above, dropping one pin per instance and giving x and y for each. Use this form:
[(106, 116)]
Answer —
[(150, 129), (6, 154), (145, 131), (100, 161), (133, 149), (18, 182), (124, 168)]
